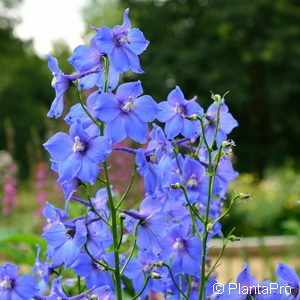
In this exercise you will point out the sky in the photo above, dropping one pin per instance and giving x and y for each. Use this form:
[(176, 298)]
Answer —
[(45, 21)]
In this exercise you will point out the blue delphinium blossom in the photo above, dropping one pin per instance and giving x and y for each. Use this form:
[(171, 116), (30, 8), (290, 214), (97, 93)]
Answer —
[(147, 170), (53, 214), (122, 44), (78, 154), (126, 114), (89, 58), (291, 279), (142, 267), (224, 174), (244, 280), (60, 83), (57, 292), (104, 293), (193, 178), (42, 270), (182, 249), (94, 274), (226, 123), (98, 235), (14, 287), (159, 141), (65, 243), (172, 113), (152, 227), (68, 187)]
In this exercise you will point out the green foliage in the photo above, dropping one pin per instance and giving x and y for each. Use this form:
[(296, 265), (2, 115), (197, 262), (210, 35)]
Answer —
[(20, 247), (25, 93), (273, 202)]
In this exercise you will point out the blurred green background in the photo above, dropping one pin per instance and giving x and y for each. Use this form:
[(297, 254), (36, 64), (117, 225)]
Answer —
[(248, 47)]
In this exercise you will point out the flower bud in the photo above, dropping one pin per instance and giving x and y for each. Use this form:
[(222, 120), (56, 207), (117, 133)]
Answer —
[(229, 143), (233, 238), (122, 216), (175, 186), (158, 264), (193, 117), (155, 275), (216, 97), (209, 227), (243, 196)]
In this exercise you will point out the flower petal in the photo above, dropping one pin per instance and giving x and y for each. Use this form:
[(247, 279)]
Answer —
[(89, 171), (59, 146), (174, 127), (69, 168), (116, 129), (137, 42), (135, 128), (146, 108), (129, 89), (104, 40), (99, 149), (166, 111)]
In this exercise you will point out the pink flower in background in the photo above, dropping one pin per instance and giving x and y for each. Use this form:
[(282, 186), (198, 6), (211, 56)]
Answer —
[(40, 184), (9, 200)]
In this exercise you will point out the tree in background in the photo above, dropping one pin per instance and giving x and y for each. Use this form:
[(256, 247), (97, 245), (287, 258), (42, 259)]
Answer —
[(23, 99), (250, 46)]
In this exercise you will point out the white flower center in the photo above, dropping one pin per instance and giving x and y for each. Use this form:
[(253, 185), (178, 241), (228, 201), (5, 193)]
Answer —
[(128, 107), (178, 244), (6, 283), (192, 181), (78, 145)]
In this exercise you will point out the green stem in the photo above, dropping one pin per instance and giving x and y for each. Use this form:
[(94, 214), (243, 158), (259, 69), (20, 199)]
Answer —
[(86, 110), (93, 208), (78, 283), (190, 205), (174, 281), (144, 287), (127, 189), (227, 210), (132, 250), (225, 241), (211, 172), (113, 213), (96, 260), (121, 233)]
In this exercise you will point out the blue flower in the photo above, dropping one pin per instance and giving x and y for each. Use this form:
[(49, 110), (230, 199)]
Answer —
[(78, 154), (245, 281), (226, 123), (53, 214), (152, 227), (60, 83), (146, 169), (122, 44), (42, 270), (14, 287), (68, 187), (159, 141), (193, 178), (172, 113), (93, 273), (88, 59), (291, 278), (182, 249), (126, 114), (65, 243), (142, 267), (224, 174)]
